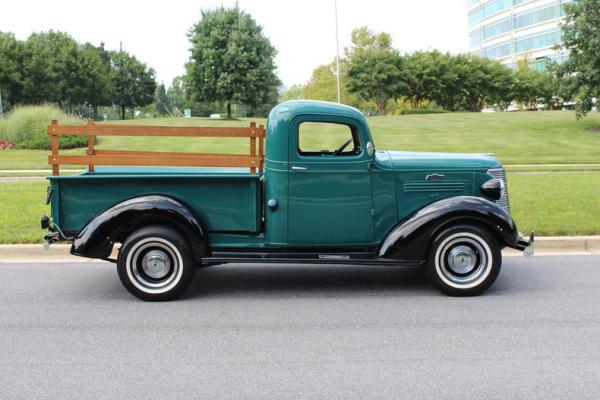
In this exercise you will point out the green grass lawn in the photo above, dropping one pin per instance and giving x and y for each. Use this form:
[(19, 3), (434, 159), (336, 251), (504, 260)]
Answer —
[(21, 204), (553, 137), (554, 168), (556, 204), (549, 204)]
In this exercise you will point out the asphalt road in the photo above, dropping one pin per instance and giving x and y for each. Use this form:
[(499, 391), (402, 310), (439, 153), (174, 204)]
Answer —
[(70, 331)]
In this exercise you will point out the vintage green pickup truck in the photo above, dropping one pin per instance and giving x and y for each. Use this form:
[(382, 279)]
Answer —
[(348, 204)]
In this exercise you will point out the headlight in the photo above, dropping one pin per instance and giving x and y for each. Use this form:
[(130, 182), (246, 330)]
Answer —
[(493, 188)]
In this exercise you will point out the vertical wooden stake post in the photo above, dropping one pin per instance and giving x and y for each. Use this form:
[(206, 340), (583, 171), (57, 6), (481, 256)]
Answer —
[(54, 146), (253, 145), (261, 147), (90, 139)]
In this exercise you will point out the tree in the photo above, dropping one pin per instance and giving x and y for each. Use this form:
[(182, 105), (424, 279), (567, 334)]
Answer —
[(564, 85), (532, 87), (162, 100), (294, 92), (44, 69), (323, 84), (581, 37), (473, 84), (58, 69), (11, 72), (231, 60), (466, 82), (375, 70), (96, 76), (177, 95), (133, 83), (376, 75), (423, 76), (364, 39), (502, 81)]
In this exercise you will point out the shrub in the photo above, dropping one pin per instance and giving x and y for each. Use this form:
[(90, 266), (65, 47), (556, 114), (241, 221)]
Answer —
[(5, 145), (413, 111), (27, 126)]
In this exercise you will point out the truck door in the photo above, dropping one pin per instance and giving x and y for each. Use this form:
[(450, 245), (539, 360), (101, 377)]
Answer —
[(330, 197)]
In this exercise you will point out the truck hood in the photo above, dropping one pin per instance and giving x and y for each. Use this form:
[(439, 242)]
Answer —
[(406, 160)]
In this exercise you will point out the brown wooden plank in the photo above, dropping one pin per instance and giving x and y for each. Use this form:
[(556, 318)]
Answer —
[(145, 130), (128, 153), (174, 161)]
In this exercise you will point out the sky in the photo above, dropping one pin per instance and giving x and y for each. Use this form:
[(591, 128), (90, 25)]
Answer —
[(302, 31)]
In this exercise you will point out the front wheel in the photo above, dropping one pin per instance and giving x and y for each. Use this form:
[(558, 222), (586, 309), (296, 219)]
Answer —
[(463, 261), (155, 263)]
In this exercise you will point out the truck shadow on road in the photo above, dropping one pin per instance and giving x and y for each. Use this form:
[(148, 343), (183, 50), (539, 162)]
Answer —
[(309, 280)]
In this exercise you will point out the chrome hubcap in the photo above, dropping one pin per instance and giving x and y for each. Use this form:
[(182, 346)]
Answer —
[(462, 259), (156, 264)]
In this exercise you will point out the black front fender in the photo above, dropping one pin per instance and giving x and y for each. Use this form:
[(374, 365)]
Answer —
[(411, 238), (96, 239)]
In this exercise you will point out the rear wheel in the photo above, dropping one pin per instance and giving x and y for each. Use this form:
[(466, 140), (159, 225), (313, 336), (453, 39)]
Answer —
[(463, 261), (155, 263)]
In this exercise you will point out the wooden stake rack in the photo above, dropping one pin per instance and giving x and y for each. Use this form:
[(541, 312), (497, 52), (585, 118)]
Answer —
[(254, 160)]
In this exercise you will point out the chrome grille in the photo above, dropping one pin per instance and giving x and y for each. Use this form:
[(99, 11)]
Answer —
[(499, 173)]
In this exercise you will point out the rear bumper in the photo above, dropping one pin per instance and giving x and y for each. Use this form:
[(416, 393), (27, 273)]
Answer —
[(526, 245)]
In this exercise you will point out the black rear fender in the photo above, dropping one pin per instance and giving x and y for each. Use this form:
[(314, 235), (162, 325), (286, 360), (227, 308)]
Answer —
[(96, 239)]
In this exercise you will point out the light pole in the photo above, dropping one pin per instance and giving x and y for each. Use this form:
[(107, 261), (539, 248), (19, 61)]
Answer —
[(337, 55), (0, 104)]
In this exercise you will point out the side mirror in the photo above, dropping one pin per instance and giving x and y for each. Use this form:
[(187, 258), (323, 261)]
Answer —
[(370, 148)]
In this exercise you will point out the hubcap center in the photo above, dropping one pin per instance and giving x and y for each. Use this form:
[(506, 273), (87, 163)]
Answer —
[(156, 264), (462, 259)]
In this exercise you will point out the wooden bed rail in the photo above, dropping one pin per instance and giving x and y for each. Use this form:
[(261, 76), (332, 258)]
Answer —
[(253, 160)]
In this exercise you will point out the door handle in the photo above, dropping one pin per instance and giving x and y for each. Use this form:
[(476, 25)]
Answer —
[(298, 168)]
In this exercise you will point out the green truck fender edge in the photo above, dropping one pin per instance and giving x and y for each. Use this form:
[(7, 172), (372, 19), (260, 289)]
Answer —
[(411, 238), (97, 237)]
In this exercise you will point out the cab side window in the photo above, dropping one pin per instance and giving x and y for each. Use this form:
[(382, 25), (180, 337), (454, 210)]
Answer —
[(326, 138)]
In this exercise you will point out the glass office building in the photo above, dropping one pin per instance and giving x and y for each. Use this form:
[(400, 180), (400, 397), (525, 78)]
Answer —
[(509, 30)]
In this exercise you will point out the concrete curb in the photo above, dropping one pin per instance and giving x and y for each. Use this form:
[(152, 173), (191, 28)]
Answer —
[(549, 245)]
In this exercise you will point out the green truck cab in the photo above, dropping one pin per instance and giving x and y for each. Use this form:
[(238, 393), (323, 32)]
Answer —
[(350, 204)]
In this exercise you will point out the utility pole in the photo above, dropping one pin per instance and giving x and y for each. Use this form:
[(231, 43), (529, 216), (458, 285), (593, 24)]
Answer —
[(0, 104), (337, 56)]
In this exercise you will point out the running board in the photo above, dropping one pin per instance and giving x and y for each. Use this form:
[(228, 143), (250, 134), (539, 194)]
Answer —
[(304, 258)]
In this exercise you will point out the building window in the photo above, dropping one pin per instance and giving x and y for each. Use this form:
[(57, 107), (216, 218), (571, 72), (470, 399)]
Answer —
[(538, 41), (498, 51), (534, 17), (496, 29), (475, 38)]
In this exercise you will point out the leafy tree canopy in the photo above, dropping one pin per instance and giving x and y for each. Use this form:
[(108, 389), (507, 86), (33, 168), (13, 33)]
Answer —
[(11, 59), (231, 60), (133, 83), (581, 36), (376, 69)]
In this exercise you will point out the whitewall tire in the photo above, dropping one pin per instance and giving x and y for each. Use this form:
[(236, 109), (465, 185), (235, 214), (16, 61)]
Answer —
[(463, 260), (155, 263)]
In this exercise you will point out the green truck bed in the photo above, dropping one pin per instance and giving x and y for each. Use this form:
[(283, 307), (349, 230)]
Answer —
[(227, 199)]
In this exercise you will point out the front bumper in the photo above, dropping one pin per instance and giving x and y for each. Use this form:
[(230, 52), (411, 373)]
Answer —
[(526, 245)]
